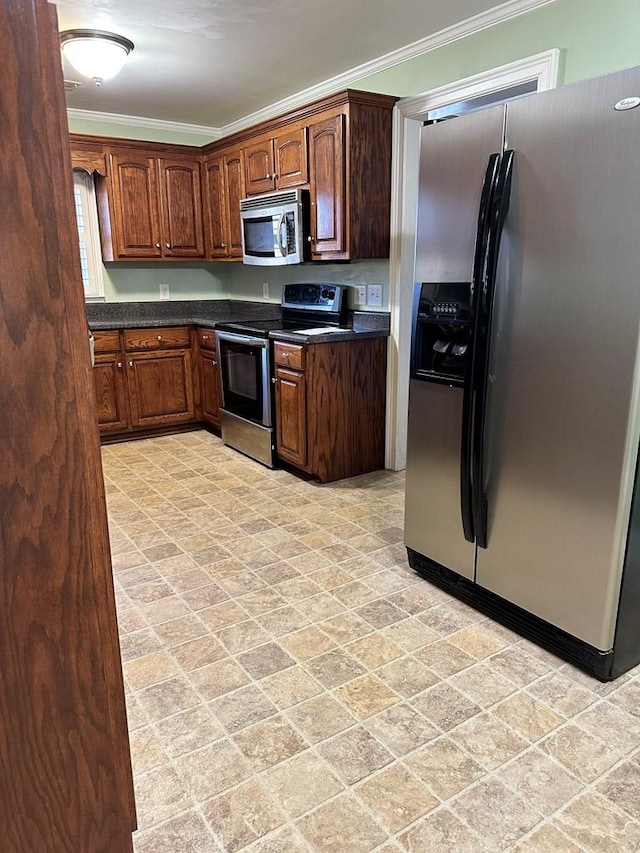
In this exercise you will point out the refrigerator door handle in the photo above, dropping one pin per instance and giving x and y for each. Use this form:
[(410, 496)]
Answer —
[(497, 216), (479, 259)]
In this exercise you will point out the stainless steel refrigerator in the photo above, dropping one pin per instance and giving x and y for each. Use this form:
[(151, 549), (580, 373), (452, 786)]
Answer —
[(524, 402)]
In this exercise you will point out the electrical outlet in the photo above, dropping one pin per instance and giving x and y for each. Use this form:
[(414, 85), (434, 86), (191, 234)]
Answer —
[(374, 295), (265, 289), (360, 295), (164, 291)]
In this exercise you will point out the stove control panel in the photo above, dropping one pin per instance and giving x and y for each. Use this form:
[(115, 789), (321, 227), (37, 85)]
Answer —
[(318, 296)]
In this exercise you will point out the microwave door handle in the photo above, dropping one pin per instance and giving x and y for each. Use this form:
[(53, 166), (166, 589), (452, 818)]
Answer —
[(283, 248)]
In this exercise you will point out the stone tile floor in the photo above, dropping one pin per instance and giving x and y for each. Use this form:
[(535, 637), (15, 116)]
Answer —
[(293, 686)]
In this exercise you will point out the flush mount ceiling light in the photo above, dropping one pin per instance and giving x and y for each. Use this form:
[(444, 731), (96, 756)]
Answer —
[(94, 53)]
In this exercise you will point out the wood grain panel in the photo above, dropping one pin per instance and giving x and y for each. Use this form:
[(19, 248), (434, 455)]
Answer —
[(291, 160), (106, 341), (258, 166), (289, 355), (65, 777), (214, 200), (291, 421), (160, 388), (157, 337), (135, 197), (369, 188), (327, 168), (111, 398), (235, 183), (346, 407), (182, 209), (206, 338), (211, 388)]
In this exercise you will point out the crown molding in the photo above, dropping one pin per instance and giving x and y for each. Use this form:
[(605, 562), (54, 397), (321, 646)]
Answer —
[(211, 133), (470, 26)]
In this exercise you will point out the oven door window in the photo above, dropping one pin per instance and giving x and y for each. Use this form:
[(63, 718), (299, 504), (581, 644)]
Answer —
[(259, 238), (244, 390)]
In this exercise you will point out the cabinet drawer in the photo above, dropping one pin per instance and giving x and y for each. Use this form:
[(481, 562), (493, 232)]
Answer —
[(161, 337), (289, 355), (106, 341), (207, 338)]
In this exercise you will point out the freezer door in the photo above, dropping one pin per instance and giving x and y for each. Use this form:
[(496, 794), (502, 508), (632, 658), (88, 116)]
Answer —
[(433, 521), (562, 430), (453, 159)]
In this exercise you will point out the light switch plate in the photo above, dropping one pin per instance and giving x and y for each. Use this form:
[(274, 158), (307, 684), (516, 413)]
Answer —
[(359, 295), (374, 295), (165, 292)]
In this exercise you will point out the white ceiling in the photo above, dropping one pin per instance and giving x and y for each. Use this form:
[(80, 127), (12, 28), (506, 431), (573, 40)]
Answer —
[(213, 62)]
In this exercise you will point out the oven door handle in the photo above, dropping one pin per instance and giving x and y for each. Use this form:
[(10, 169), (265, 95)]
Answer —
[(247, 340)]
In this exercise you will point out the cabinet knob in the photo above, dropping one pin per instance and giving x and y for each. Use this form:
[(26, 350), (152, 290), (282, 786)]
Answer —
[(205, 337), (268, 175), (157, 245), (119, 365), (310, 238), (223, 245), (130, 364), (168, 245), (287, 355), (274, 380), (159, 337), (213, 362)]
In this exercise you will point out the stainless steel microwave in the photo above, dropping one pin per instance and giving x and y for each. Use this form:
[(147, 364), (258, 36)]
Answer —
[(274, 228)]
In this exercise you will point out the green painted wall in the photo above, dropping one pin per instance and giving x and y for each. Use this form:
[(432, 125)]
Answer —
[(594, 37), (129, 131), (141, 282)]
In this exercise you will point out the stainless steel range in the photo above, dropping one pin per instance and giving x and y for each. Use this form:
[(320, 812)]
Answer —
[(247, 417)]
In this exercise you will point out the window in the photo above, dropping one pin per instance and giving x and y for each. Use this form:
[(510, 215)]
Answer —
[(88, 236)]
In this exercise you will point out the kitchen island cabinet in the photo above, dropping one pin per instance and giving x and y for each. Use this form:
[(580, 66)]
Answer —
[(330, 406)]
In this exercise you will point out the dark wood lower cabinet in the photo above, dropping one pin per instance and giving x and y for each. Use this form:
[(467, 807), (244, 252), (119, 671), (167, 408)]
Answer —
[(210, 388), (291, 421), (160, 388), (111, 395), (330, 406)]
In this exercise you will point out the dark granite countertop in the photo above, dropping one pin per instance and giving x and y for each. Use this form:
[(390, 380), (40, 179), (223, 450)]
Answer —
[(208, 312)]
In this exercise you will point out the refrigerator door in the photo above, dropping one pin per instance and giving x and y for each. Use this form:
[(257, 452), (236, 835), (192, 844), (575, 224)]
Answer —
[(561, 432), (454, 157)]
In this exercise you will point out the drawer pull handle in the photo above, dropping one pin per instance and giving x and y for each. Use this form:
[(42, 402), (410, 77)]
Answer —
[(159, 337)]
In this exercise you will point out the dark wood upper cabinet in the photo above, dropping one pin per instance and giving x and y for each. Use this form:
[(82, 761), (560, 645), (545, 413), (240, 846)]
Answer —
[(153, 204), (276, 163), (136, 207), (326, 154), (181, 209), (233, 166), (156, 206), (216, 230)]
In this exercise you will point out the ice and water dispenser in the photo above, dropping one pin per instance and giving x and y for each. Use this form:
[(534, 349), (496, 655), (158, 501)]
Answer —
[(440, 333)]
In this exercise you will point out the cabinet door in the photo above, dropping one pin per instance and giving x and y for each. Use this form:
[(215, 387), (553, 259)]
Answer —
[(111, 400), (210, 384), (327, 167), (290, 155), (181, 209), (235, 185), (215, 204), (136, 217), (291, 417), (258, 167), (160, 388)]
